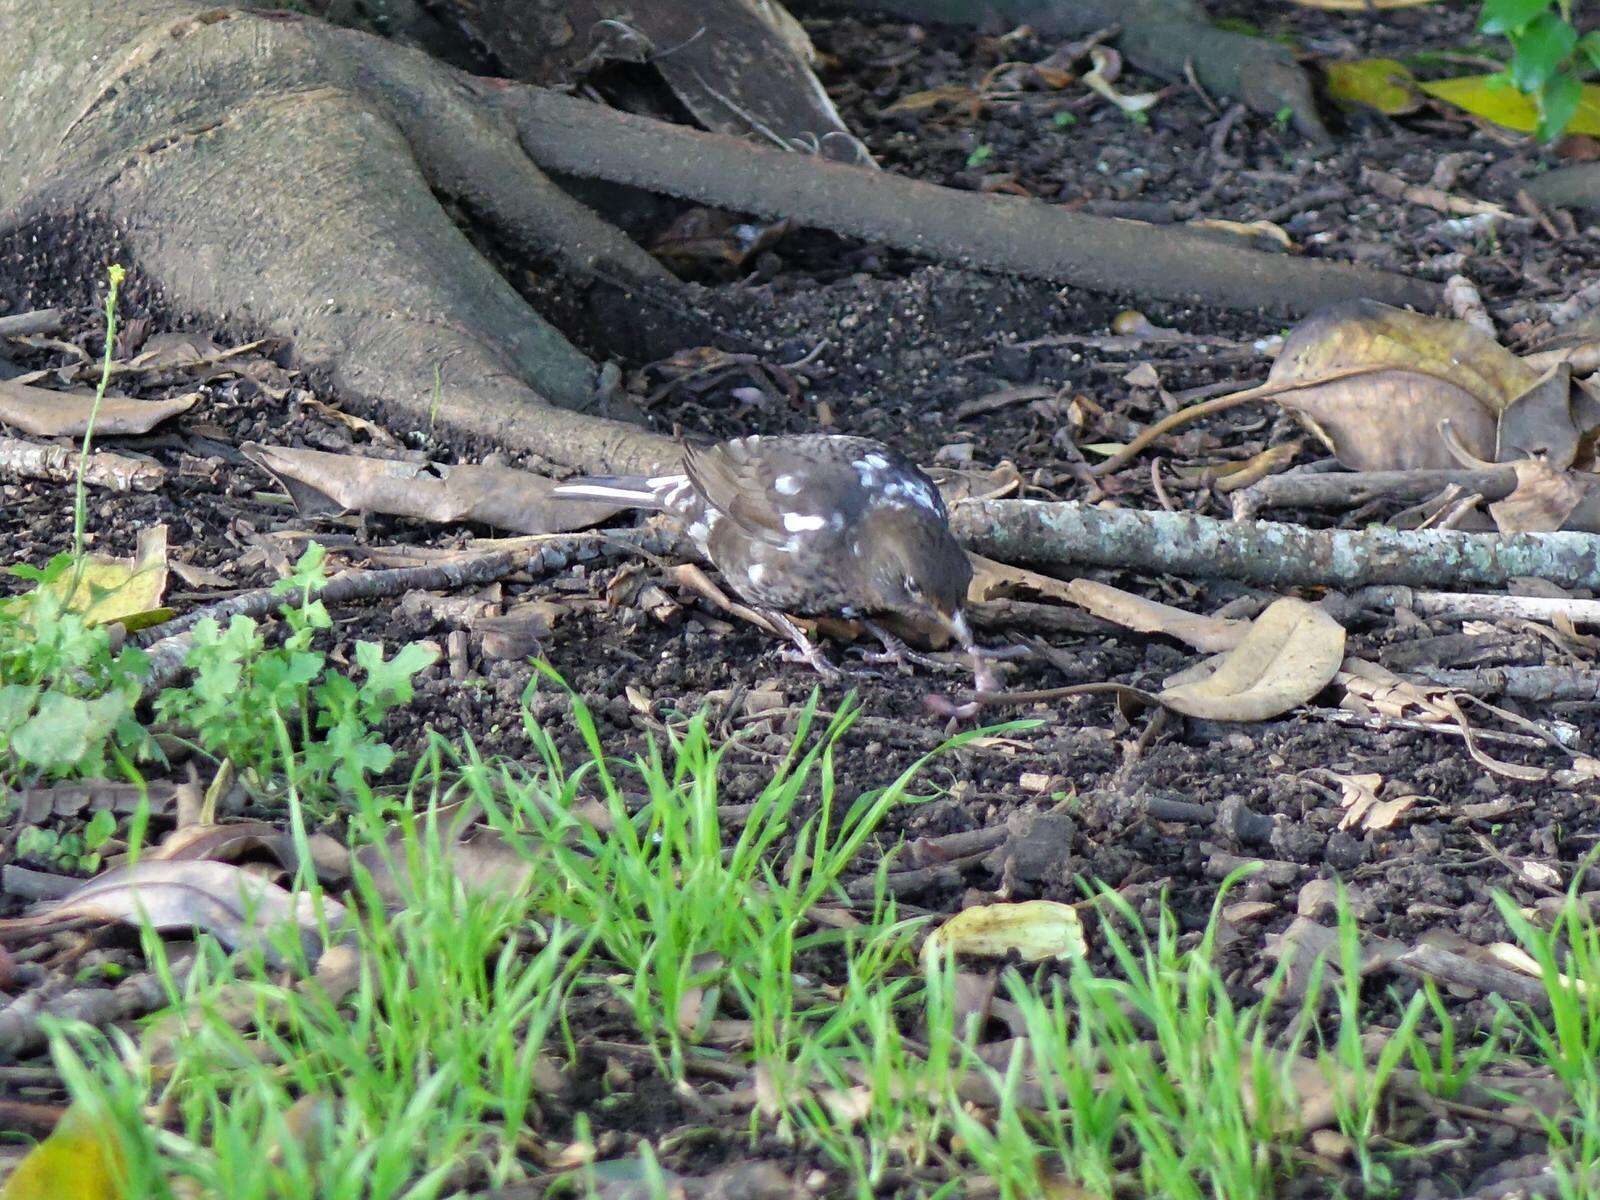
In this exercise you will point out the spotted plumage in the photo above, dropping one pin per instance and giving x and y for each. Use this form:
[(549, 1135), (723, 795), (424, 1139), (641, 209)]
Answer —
[(813, 525)]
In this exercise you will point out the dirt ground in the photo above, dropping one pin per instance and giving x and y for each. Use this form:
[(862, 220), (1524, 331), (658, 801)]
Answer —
[(894, 347)]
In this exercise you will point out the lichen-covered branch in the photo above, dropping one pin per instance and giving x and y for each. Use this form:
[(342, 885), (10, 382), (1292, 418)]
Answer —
[(1266, 553)]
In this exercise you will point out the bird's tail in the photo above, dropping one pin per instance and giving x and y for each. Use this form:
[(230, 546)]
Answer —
[(636, 491)]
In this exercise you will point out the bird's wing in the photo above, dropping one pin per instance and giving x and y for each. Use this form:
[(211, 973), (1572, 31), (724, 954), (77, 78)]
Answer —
[(732, 478)]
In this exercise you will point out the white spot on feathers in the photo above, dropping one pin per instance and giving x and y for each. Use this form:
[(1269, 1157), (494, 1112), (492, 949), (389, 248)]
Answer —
[(803, 522), (757, 573), (876, 460), (786, 485)]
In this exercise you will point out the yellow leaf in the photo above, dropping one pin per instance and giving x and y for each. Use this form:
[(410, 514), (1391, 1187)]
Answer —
[(122, 589), (1035, 929), (1380, 83), (1490, 97), (79, 1161)]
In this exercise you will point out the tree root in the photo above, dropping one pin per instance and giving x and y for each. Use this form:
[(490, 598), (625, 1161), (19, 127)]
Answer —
[(1273, 555), (993, 232), (1569, 187), (354, 259), (103, 117)]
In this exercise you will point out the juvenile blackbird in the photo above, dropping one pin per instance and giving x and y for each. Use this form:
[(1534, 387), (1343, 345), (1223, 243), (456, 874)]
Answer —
[(811, 524)]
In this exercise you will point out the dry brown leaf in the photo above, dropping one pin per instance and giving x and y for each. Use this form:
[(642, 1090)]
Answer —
[(1374, 383), (957, 485), (1034, 929), (46, 413), (953, 94), (1263, 234), (236, 907), (230, 841), (1107, 68), (1211, 634), (480, 857), (504, 497), (991, 579), (1514, 957), (1292, 651), (1540, 423), (1544, 499), (1362, 806)]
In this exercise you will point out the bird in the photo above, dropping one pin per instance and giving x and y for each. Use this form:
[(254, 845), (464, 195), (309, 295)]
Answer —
[(811, 525)]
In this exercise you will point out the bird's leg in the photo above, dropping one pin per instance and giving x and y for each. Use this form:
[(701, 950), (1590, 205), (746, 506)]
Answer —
[(809, 653), (897, 652)]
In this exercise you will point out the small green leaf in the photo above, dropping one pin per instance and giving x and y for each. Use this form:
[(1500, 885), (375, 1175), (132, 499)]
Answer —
[(980, 156), (1589, 47), (1063, 118), (16, 702), (1558, 104), (57, 735), (1540, 50), (1508, 16), (99, 829)]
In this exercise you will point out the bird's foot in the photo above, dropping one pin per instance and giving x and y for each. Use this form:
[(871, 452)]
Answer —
[(803, 650), (897, 653)]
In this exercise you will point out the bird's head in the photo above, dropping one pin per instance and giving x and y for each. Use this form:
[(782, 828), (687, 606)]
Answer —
[(915, 568)]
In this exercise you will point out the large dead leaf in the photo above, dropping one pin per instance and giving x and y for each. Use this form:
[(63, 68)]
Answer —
[(1375, 383), (481, 858), (121, 589), (235, 840), (46, 413), (1034, 929), (1292, 651), (448, 494), (236, 907)]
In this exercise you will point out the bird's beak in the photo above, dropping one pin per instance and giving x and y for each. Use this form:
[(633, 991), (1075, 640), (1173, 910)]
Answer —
[(956, 623)]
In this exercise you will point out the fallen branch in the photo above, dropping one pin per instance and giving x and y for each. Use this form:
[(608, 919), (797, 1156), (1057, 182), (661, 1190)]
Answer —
[(1270, 554), (1435, 962), (1466, 606), (28, 324), (59, 464), (974, 229), (1333, 490), (1519, 683), (168, 645)]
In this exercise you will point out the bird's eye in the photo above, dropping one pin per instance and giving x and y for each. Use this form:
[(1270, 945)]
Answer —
[(913, 588)]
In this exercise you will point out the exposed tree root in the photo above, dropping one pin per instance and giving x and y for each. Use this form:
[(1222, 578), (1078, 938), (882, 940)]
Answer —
[(1569, 187), (176, 122), (996, 232)]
